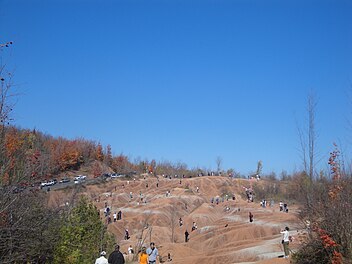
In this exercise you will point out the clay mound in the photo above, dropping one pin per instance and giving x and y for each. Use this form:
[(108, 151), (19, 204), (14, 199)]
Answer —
[(223, 236)]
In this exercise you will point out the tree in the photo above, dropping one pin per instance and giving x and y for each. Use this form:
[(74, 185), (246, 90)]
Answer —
[(152, 166), (27, 226), (146, 229), (120, 164), (99, 153), (28, 229), (97, 169), (308, 138), (82, 236), (259, 168), (108, 156), (311, 133), (331, 229), (218, 163), (6, 108), (6, 84), (173, 222)]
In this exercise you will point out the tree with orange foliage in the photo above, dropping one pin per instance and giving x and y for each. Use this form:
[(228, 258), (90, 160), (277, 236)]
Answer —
[(25, 222), (152, 166), (99, 155), (69, 156), (120, 164), (330, 239)]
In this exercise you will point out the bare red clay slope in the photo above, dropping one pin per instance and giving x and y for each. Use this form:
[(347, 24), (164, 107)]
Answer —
[(223, 236)]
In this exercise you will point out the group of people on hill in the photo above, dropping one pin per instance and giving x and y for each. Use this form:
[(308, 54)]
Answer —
[(116, 257), (146, 256), (150, 255), (264, 203), (116, 216), (283, 207), (217, 199), (249, 194)]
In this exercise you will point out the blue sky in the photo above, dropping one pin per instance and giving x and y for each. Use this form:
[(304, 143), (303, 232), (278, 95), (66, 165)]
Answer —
[(184, 81)]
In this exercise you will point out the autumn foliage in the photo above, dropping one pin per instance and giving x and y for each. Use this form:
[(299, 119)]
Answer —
[(32, 156), (330, 246), (329, 241)]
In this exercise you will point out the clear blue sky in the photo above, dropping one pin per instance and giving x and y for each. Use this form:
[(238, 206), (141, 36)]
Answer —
[(184, 81)]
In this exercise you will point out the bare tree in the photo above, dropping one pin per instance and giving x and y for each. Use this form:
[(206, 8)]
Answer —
[(173, 222), (145, 230), (25, 221), (302, 141), (218, 163), (259, 168), (311, 133), (308, 138), (6, 107)]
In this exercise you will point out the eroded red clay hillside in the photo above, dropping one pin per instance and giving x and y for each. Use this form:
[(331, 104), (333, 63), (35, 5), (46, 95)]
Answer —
[(223, 236)]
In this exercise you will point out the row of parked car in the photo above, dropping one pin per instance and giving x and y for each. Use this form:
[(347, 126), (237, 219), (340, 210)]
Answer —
[(113, 175), (77, 179)]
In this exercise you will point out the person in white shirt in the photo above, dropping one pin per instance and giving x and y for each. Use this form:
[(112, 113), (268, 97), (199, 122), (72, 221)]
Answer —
[(130, 250), (102, 259), (285, 240)]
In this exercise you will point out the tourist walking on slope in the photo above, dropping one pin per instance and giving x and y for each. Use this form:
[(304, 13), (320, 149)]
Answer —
[(250, 217), (130, 250), (116, 256), (153, 253), (194, 226), (102, 259), (143, 257), (186, 236), (285, 240), (127, 234)]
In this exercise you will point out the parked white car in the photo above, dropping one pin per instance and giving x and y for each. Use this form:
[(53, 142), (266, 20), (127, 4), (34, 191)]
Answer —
[(115, 175), (48, 183), (80, 177)]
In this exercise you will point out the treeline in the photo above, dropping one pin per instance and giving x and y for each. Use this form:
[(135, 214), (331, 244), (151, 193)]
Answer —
[(29, 156)]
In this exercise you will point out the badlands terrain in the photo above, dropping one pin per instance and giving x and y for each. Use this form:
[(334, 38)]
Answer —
[(224, 233)]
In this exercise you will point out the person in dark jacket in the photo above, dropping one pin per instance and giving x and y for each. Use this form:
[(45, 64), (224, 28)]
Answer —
[(250, 217), (116, 256), (186, 236)]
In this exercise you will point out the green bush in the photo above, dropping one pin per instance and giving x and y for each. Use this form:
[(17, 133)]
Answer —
[(83, 236)]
